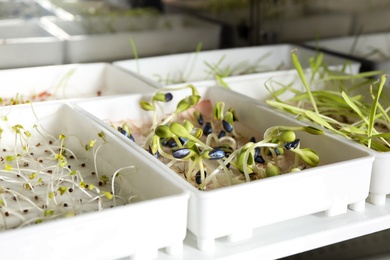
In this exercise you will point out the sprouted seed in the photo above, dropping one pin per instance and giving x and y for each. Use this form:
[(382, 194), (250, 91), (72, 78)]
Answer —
[(341, 106), (49, 181), (207, 145)]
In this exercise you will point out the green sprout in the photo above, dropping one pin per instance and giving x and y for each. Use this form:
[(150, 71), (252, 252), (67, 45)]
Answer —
[(201, 147), (46, 180), (340, 105)]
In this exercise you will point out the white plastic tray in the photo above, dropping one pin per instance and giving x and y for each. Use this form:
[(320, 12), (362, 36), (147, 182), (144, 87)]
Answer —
[(366, 51), (26, 43), (235, 211), (193, 69), (102, 38), (68, 10), (69, 81), (157, 220), (25, 10), (253, 86)]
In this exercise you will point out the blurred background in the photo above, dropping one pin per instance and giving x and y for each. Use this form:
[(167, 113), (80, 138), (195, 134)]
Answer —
[(215, 23)]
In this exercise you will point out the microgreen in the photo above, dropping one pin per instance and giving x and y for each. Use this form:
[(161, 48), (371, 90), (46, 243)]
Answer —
[(209, 150), (340, 104), (135, 52), (215, 70), (41, 178)]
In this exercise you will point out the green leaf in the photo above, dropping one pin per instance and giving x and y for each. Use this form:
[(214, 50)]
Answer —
[(318, 119), (374, 108), (353, 106), (301, 74), (222, 82)]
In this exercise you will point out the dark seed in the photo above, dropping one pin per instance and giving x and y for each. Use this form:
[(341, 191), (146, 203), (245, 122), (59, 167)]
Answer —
[(83, 165), (216, 154), (151, 152), (25, 210), (200, 119), (259, 159), (277, 151), (257, 151), (70, 190), (198, 177), (6, 214), (41, 161), (171, 143), (125, 133), (71, 157), (65, 205), (164, 142), (25, 164), (227, 126), (182, 140), (207, 129), (36, 197), (168, 97), (4, 150), (100, 183), (50, 142), (221, 134), (291, 145), (49, 171), (93, 173), (181, 153), (252, 139)]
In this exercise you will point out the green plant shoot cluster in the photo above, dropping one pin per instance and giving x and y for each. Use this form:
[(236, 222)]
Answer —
[(201, 147), (42, 179), (349, 105)]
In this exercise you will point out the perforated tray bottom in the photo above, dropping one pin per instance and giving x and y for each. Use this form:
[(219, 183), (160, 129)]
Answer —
[(375, 246)]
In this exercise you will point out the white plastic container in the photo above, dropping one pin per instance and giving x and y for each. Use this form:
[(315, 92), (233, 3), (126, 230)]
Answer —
[(102, 38), (253, 86), (69, 81), (25, 10), (192, 67), (237, 210), (27, 43), (371, 50), (68, 10), (156, 220)]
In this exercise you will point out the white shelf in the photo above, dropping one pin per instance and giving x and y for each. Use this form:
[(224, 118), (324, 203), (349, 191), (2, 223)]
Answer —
[(293, 236)]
